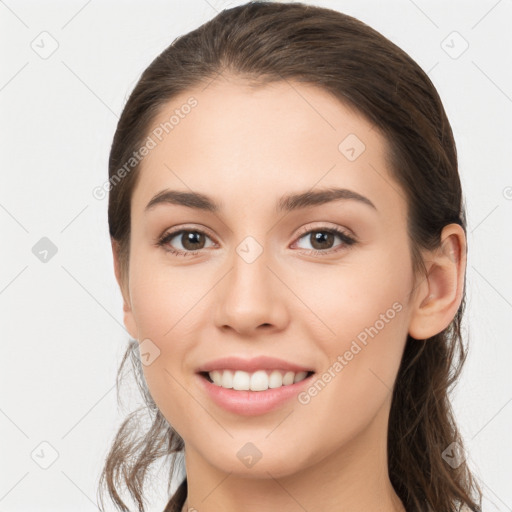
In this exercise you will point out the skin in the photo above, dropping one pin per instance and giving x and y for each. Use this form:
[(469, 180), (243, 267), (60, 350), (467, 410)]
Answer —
[(246, 147)]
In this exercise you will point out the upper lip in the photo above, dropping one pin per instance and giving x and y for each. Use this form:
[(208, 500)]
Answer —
[(251, 365)]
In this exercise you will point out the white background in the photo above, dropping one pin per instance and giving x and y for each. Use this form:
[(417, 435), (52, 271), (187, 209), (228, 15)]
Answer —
[(61, 321)]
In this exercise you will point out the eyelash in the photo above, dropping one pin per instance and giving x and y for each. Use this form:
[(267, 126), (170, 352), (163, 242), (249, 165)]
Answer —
[(345, 238)]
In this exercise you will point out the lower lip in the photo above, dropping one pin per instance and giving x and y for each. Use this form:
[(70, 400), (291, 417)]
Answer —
[(252, 403)]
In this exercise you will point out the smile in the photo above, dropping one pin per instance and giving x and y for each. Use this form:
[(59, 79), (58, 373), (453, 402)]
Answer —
[(260, 380)]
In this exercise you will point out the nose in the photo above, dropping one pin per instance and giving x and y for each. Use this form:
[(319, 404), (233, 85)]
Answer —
[(251, 297)]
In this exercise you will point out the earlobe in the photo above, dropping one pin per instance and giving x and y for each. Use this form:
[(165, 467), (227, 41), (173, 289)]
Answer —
[(128, 318), (129, 322), (441, 293), (117, 268)]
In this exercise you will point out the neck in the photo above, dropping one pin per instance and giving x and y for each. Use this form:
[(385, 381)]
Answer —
[(353, 478)]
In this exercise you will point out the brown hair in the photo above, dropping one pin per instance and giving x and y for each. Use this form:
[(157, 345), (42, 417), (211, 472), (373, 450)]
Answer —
[(265, 42)]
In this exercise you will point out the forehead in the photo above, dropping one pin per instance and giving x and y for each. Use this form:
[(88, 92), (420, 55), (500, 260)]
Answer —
[(242, 139), (237, 108)]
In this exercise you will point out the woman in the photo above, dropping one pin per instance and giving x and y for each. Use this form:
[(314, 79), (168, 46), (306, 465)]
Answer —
[(288, 233)]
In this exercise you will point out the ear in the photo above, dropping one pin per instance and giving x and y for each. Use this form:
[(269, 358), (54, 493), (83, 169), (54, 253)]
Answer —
[(439, 295), (129, 320)]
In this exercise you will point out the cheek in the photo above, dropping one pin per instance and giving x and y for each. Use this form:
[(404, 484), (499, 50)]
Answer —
[(345, 302), (156, 313), (163, 299), (161, 318), (359, 322)]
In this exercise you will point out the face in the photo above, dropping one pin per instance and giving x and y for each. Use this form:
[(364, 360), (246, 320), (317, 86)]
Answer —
[(320, 282)]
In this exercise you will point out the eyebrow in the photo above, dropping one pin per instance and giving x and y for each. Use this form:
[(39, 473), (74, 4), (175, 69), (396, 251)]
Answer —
[(290, 202)]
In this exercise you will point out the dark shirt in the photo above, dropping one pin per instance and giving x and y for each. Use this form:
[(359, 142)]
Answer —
[(178, 500)]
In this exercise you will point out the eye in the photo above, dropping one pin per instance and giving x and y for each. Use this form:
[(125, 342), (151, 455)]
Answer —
[(191, 241), (322, 238)]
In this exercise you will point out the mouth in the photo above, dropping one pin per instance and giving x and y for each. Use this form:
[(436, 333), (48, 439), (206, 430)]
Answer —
[(248, 387), (259, 380), (253, 392)]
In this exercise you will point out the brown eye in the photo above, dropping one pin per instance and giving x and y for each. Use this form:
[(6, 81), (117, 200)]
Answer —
[(192, 240), (189, 240), (323, 239)]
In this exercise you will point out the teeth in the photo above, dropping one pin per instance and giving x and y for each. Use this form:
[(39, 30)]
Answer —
[(260, 380)]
